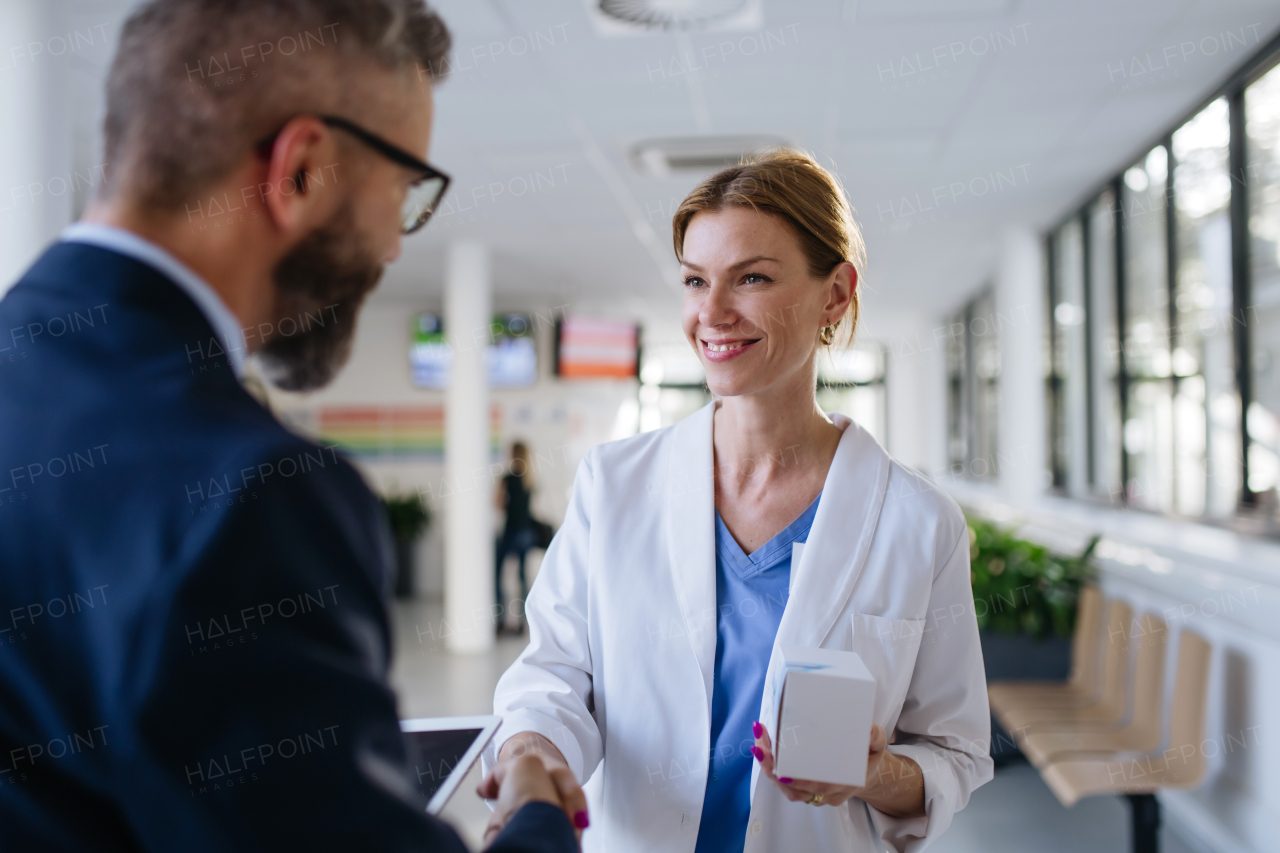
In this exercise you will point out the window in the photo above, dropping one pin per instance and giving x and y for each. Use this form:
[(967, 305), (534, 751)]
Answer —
[(957, 396), (1206, 406), (851, 382), (1262, 123), (1148, 438), (973, 389), (1163, 343), (1086, 371), (1106, 476), (673, 386), (1069, 374)]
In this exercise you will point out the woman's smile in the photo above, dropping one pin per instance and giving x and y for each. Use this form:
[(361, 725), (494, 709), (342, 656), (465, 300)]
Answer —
[(724, 350)]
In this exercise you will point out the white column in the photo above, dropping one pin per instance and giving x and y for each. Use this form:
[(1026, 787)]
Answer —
[(933, 387), (468, 542), (35, 163), (916, 389), (1020, 312)]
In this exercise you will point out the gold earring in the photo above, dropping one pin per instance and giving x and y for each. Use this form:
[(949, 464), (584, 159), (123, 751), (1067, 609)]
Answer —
[(828, 333)]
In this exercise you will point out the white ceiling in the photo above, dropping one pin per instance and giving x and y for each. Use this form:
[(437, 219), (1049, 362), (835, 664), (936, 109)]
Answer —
[(1052, 112)]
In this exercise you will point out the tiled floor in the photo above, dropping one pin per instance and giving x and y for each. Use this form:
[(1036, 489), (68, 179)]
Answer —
[(1015, 812), (433, 683)]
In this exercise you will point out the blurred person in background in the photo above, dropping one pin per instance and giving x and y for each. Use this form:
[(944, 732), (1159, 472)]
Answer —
[(196, 639), (519, 530)]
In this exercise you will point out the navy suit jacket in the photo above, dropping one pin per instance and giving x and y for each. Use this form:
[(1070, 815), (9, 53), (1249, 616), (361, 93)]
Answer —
[(194, 638)]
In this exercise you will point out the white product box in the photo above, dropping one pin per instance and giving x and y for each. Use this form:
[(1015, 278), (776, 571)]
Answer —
[(824, 702)]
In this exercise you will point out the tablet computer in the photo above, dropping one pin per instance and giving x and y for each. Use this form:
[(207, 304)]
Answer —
[(442, 750)]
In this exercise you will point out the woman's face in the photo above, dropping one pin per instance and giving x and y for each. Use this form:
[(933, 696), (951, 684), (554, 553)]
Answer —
[(752, 311)]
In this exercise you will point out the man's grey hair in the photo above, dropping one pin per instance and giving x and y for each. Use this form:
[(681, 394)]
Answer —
[(196, 83)]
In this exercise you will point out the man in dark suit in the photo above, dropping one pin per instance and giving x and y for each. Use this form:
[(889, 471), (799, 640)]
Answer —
[(194, 637)]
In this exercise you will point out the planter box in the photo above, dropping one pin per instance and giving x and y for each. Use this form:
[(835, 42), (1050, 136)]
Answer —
[(1009, 657), (406, 565)]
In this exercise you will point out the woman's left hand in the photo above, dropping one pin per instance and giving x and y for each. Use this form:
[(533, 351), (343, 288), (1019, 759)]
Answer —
[(894, 784), (802, 790)]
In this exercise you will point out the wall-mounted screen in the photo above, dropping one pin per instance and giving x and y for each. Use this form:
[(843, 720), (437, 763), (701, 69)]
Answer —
[(429, 353), (593, 347), (511, 357)]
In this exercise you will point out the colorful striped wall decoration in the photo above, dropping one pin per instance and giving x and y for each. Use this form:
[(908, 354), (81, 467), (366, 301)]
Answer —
[(392, 431)]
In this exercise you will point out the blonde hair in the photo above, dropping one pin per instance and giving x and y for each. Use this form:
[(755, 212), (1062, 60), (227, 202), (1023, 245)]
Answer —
[(791, 185)]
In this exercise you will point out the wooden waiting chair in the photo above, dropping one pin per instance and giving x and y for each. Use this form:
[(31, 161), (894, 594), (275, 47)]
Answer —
[(1045, 742), (1109, 705), (1083, 683), (1138, 775)]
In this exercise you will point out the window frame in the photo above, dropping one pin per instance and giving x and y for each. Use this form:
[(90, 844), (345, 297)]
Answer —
[(965, 414), (1232, 90)]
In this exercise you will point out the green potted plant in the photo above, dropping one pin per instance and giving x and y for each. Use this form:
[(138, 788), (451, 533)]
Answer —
[(1020, 587), (409, 518), (1024, 597)]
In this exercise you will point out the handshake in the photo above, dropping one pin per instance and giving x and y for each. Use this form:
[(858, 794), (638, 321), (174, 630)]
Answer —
[(531, 770)]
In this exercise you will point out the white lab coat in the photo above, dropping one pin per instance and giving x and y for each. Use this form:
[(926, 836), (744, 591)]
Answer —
[(622, 618)]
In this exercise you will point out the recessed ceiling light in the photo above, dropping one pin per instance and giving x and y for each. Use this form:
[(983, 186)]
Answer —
[(662, 157), (632, 17)]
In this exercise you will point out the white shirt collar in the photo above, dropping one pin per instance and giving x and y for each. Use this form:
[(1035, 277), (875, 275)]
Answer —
[(225, 325)]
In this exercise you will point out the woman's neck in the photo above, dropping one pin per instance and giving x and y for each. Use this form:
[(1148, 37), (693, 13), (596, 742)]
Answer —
[(761, 439)]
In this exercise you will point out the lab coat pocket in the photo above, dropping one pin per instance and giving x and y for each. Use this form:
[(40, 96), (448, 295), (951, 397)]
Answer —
[(888, 647)]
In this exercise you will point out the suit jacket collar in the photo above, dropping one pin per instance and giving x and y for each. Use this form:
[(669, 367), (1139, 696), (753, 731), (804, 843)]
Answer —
[(173, 326), (126, 243)]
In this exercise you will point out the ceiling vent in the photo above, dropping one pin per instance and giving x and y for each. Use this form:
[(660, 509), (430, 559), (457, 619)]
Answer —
[(664, 157), (613, 18)]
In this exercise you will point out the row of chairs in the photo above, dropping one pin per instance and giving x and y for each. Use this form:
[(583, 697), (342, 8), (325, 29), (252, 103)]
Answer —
[(1102, 731)]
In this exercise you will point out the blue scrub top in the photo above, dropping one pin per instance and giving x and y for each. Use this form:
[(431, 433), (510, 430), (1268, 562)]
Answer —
[(751, 593)]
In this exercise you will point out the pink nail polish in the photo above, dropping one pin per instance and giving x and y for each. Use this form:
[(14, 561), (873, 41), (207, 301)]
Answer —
[(786, 780), (580, 820), (756, 729), (758, 753)]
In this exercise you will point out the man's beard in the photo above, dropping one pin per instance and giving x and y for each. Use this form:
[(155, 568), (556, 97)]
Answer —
[(320, 287)]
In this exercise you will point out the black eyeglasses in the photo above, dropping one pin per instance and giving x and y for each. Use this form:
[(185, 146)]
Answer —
[(424, 193)]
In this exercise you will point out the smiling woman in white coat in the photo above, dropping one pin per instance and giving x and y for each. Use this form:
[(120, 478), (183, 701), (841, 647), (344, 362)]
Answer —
[(690, 554)]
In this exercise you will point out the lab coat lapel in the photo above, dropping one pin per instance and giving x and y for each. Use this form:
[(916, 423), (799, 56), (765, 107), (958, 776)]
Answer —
[(689, 520), (832, 557), (839, 539)]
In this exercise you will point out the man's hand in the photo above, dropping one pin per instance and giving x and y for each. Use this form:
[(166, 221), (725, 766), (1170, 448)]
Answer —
[(528, 772)]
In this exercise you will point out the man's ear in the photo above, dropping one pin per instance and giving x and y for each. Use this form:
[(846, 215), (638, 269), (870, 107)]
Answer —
[(302, 160)]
